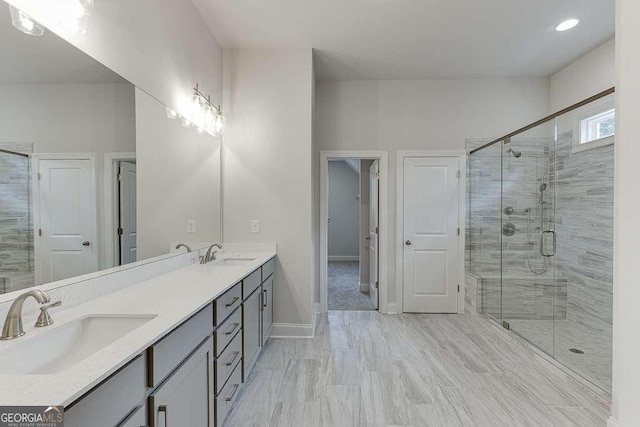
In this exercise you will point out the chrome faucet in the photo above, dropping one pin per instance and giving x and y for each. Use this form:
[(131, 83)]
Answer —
[(211, 254), (13, 323), (183, 245)]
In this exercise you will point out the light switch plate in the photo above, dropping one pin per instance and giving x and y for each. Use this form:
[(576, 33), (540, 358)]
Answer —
[(191, 226), (255, 226)]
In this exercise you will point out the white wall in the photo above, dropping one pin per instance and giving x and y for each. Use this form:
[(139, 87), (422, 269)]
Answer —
[(72, 118), (267, 167), (344, 212), (161, 46), (421, 115), (589, 75), (178, 179), (626, 292)]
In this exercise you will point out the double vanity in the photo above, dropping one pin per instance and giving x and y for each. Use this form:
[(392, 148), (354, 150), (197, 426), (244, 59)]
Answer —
[(171, 350)]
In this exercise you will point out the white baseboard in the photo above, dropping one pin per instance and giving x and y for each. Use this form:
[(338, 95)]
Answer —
[(342, 258), (612, 422), (364, 287), (291, 330), (392, 308), (297, 330)]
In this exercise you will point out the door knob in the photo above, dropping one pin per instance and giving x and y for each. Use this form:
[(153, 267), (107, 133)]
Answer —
[(408, 243), (86, 243), (367, 238)]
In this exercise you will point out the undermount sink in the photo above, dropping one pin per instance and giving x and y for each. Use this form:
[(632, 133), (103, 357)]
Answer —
[(231, 262), (63, 346)]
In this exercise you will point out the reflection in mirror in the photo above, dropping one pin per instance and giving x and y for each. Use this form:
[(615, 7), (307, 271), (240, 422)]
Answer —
[(83, 155), (63, 116)]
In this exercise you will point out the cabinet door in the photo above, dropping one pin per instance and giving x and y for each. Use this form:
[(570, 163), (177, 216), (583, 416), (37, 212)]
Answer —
[(136, 419), (267, 309), (251, 323), (183, 400)]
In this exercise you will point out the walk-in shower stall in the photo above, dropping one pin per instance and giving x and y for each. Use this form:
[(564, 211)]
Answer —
[(541, 234), (16, 221)]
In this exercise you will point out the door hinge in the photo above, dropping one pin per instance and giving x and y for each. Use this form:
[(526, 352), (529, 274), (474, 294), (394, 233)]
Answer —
[(377, 175), (120, 231), (39, 176), (458, 231), (459, 174), (376, 230), (40, 232), (120, 177), (458, 288), (377, 285)]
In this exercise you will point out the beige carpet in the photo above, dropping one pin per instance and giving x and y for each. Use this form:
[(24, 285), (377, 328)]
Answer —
[(344, 287)]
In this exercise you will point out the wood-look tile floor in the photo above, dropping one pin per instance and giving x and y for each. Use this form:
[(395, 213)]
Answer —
[(367, 369)]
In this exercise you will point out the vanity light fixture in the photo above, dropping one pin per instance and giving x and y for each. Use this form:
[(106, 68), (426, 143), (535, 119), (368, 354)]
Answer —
[(207, 113), (567, 25), (75, 14), (25, 23)]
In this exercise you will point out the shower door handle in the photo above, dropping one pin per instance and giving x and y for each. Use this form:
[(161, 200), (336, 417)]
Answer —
[(553, 236)]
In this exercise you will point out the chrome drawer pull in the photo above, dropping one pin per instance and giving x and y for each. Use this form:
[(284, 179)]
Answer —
[(235, 388), (233, 301), (235, 356), (163, 408), (232, 330), (266, 300)]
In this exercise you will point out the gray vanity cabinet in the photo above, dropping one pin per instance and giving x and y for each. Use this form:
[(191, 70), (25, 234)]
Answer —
[(251, 308), (183, 399), (267, 309)]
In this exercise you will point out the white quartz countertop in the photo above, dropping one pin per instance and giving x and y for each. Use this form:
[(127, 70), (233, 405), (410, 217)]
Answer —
[(172, 297)]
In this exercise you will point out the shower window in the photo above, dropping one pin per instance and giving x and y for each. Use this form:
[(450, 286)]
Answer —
[(596, 127)]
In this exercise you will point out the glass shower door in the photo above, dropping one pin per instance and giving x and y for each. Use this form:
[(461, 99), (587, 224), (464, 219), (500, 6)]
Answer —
[(528, 276)]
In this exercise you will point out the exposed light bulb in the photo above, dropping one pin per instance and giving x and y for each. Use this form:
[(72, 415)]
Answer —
[(75, 14), (170, 113), (186, 122), (72, 9), (219, 126), (25, 23), (567, 25)]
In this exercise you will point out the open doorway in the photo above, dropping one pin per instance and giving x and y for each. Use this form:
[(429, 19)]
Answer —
[(352, 242), (351, 237)]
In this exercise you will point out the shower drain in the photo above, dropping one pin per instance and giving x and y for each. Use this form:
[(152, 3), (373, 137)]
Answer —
[(575, 350)]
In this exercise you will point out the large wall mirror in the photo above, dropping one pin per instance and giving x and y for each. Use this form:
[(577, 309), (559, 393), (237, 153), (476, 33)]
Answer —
[(94, 172)]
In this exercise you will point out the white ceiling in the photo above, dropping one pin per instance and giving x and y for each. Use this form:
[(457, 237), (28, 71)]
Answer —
[(45, 60), (414, 39)]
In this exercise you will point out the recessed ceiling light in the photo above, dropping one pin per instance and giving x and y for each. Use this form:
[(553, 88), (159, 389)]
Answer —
[(568, 24)]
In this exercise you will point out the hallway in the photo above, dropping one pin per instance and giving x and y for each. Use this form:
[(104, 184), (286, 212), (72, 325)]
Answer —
[(343, 282), (364, 368)]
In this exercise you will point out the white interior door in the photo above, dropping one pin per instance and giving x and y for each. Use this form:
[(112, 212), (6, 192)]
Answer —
[(67, 220), (128, 226), (373, 233), (430, 256)]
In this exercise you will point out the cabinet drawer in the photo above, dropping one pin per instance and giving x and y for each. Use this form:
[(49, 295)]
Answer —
[(227, 361), (124, 391), (227, 331), (268, 268), (250, 283), (227, 396), (227, 303), (166, 355)]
